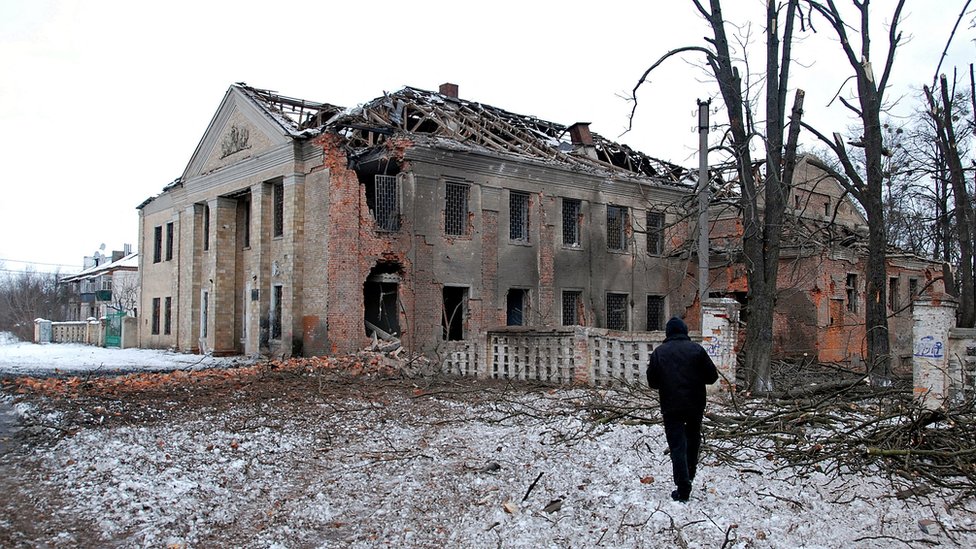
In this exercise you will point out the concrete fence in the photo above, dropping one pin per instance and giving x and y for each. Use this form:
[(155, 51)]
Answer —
[(86, 332), (584, 355), (943, 356)]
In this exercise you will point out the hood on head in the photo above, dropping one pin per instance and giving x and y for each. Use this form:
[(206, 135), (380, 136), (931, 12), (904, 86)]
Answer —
[(675, 327)]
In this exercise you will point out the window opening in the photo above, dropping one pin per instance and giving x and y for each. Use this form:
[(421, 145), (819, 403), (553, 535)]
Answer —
[(518, 220), (246, 206), (386, 202), (655, 313), (617, 312), (852, 292), (572, 308), (381, 302), (912, 292), (456, 209), (454, 312), (571, 222), (168, 316), (278, 196), (206, 227), (169, 241), (893, 302), (276, 297), (204, 314), (617, 222), (155, 316), (655, 233), (157, 244), (516, 307)]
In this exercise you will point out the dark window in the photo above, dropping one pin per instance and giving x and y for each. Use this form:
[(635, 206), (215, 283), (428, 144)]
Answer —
[(204, 314), (456, 209), (168, 315), (655, 313), (893, 302), (155, 316), (453, 315), (278, 195), (518, 216), (276, 295), (618, 223), (571, 222), (617, 312), (655, 233), (852, 292), (157, 244), (246, 205), (516, 306), (206, 227), (572, 308), (386, 201), (169, 241)]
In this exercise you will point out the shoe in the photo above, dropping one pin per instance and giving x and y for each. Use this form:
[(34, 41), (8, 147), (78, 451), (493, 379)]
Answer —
[(680, 496)]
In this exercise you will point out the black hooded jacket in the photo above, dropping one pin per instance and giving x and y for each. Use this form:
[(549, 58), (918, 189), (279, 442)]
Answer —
[(679, 369)]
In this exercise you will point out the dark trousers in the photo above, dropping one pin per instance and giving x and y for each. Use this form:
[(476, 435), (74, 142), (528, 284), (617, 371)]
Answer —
[(683, 431)]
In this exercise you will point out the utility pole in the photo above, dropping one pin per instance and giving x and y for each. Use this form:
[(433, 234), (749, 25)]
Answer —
[(703, 196)]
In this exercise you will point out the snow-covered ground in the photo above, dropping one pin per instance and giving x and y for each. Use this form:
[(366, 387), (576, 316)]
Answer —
[(25, 358), (366, 462)]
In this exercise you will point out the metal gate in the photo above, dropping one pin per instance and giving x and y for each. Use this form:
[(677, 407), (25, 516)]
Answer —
[(113, 329)]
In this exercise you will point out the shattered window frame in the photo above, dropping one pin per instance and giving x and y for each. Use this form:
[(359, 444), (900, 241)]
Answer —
[(572, 217), (617, 312), (655, 232), (278, 192), (456, 208), (572, 308), (518, 216), (656, 313), (386, 195), (851, 285), (618, 221)]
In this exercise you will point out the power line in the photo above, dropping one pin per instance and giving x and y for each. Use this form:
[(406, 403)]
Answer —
[(38, 262)]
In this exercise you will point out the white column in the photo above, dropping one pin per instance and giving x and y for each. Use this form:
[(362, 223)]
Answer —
[(930, 337), (720, 330)]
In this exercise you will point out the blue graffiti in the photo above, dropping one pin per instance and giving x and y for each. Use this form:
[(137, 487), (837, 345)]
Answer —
[(713, 346), (929, 347)]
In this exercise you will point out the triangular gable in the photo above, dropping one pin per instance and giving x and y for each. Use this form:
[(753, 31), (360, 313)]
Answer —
[(239, 130)]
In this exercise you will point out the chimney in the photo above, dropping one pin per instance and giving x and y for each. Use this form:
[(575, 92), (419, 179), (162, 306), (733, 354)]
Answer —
[(580, 134), (450, 90)]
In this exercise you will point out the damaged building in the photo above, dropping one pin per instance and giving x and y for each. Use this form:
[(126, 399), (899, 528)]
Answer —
[(821, 285), (304, 228)]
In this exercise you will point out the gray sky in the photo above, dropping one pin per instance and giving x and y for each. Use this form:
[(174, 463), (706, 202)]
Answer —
[(102, 102)]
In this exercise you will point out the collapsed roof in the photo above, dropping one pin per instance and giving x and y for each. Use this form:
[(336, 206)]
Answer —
[(412, 111)]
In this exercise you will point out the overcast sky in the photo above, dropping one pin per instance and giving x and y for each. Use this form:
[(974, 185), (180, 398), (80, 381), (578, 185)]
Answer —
[(102, 102)]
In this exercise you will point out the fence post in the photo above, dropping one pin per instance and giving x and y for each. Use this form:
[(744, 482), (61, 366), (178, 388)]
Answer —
[(932, 321), (720, 330), (42, 331)]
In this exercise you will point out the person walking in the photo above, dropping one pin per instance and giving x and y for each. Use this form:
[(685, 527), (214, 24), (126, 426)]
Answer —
[(679, 369)]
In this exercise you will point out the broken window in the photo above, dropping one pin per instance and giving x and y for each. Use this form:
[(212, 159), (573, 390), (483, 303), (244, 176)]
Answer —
[(893, 301), (655, 233), (454, 311), (168, 316), (572, 308), (571, 222), (155, 316), (617, 227), (157, 244), (518, 216), (386, 202), (381, 301), (516, 307), (852, 292), (277, 292), (456, 209), (278, 197), (617, 312), (655, 313), (206, 227), (169, 241)]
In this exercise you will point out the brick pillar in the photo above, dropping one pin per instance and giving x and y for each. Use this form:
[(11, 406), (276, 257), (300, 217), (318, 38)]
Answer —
[(191, 276), (720, 330), (291, 306), (933, 319), (223, 293), (257, 275)]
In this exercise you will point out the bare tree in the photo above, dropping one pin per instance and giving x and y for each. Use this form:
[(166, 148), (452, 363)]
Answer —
[(28, 295), (762, 201), (867, 187)]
